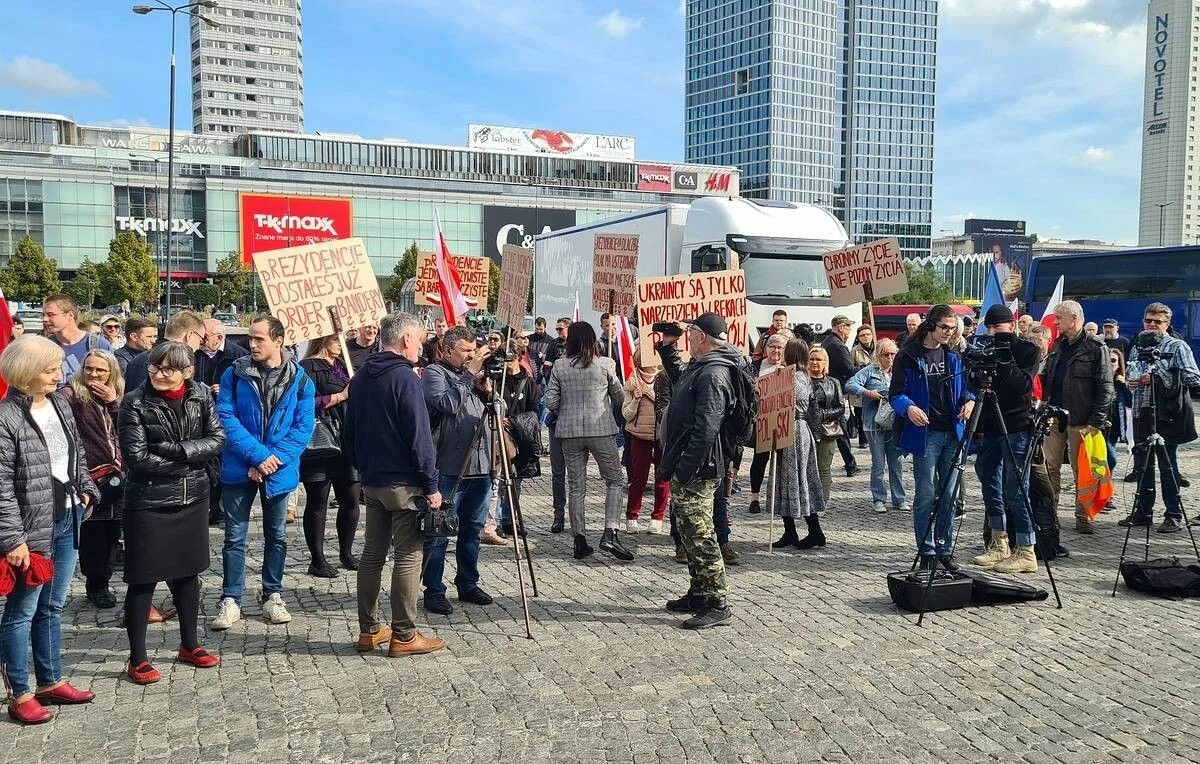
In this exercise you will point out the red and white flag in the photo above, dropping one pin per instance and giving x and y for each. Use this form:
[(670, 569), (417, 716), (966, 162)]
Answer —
[(454, 304), (1048, 314), (623, 351), (6, 327)]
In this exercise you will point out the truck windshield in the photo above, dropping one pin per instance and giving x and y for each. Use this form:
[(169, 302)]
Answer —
[(792, 271)]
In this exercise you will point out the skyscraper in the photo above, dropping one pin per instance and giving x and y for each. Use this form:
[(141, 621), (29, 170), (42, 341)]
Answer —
[(828, 102), (1170, 207), (248, 72)]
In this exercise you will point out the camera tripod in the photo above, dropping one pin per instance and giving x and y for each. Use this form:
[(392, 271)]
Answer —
[(1152, 450), (987, 400)]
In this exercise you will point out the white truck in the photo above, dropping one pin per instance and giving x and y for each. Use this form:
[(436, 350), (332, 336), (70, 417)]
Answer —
[(778, 244)]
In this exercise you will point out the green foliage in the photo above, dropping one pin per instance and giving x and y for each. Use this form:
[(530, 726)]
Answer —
[(29, 275), (232, 281), (130, 272), (925, 287), (405, 269), (202, 295), (493, 285), (87, 283)]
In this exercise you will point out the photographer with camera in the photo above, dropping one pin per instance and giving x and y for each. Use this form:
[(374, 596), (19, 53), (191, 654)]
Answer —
[(1160, 374), (1008, 364), (1077, 377)]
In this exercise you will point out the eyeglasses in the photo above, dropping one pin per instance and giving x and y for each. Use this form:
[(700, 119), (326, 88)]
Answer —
[(165, 371), (946, 327), (1155, 321), (111, 327), (560, 328)]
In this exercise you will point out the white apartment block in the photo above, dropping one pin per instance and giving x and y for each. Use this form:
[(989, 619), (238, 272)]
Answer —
[(248, 73), (1170, 204)]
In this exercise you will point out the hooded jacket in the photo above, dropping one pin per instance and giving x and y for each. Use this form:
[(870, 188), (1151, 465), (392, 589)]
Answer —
[(700, 400), (910, 387), (385, 428), (263, 420)]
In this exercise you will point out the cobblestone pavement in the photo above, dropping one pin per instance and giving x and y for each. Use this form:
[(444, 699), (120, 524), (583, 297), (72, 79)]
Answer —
[(817, 665)]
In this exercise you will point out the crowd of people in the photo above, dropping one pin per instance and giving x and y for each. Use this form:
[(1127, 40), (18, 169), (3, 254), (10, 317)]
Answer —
[(119, 444)]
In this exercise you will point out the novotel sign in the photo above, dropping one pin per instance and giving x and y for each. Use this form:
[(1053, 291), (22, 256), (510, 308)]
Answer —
[(1158, 67)]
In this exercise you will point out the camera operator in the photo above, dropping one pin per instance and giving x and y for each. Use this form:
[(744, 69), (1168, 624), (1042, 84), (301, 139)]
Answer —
[(1162, 404), (1004, 493), (1077, 377)]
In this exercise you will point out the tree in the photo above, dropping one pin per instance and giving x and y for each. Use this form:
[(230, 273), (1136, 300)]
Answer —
[(29, 275), (86, 284), (129, 273), (925, 287), (201, 295), (493, 285), (232, 281), (405, 269)]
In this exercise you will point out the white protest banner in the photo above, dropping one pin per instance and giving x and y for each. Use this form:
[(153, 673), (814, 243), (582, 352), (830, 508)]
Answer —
[(303, 283), (516, 271), (472, 276), (614, 272), (676, 298), (865, 272), (776, 410)]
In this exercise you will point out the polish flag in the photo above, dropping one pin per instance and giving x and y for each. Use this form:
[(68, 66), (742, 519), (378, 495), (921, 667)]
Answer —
[(454, 304), (6, 327), (624, 348), (1048, 315), (576, 315)]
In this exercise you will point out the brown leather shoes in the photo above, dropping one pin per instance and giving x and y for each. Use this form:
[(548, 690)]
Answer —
[(418, 645), (368, 641)]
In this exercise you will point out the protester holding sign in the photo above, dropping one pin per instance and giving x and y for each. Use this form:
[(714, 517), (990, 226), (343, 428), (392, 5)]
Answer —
[(798, 480), (641, 423), (772, 358)]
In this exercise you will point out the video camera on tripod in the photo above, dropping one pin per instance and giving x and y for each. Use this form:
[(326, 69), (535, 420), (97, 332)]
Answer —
[(1147, 347), (984, 355)]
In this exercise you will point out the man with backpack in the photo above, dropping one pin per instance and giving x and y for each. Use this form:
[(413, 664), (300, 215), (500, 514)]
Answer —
[(712, 405)]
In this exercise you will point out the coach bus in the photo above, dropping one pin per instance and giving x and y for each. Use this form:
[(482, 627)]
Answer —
[(1120, 284)]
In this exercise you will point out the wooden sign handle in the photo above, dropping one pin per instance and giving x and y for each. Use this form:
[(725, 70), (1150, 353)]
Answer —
[(336, 320)]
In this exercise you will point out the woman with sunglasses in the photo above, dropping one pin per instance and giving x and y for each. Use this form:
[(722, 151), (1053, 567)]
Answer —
[(928, 392), (871, 383)]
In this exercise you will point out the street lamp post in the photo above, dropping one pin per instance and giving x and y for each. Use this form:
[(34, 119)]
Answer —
[(157, 210), (1162, 206), (143, 10)]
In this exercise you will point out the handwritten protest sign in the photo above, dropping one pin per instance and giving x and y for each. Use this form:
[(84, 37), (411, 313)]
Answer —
[(776, 410), (472, 275), (614, 272), (515, 273), (303, 283), (865, 272), (677, 298)]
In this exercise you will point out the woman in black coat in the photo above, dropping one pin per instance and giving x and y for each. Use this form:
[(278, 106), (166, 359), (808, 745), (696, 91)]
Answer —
[(323, 364), (168, 431), (522, 396)]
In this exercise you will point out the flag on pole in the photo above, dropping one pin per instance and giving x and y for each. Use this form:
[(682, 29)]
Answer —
[(454, 304), (1048, 315), (576, 316), (6, 327), (992, 293), (624, 348)]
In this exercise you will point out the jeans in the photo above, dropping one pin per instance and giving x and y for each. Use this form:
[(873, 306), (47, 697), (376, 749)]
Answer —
[(1004, 494), (843, 445), (929, 473), (886, 456), (471, 504), (825, 449), (236, 501), (558, 476), (506, 511), (33, 614)]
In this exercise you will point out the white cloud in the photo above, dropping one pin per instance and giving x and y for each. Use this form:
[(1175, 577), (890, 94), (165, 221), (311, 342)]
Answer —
[(35, 77), (1096, 155), (617, 24)]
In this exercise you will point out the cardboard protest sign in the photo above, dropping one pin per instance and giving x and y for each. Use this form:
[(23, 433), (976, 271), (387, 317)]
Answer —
[(776, 410), (865, 272), (515, 273), (472, 275), (614, 272), (303, 283), (676, 298)]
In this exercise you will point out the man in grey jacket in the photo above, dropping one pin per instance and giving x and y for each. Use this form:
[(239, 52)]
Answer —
[(455, 395)]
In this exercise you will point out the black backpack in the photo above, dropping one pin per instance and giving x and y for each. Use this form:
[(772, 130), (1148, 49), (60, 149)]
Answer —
[(737, 429), (1162, 578)]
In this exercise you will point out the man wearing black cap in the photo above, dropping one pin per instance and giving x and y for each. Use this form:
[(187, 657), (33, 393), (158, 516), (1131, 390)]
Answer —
[(1113, 338), (1005, 495), (695, 456), (842, 369)]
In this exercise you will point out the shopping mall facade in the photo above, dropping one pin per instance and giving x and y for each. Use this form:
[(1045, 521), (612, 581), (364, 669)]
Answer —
[(72, 187)]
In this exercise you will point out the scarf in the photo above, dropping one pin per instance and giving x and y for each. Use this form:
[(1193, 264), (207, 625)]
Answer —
[(172, 395)]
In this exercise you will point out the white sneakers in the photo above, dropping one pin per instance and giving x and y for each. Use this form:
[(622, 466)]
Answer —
[(229, 613), (880, 507), (632, 526), (656, 527)]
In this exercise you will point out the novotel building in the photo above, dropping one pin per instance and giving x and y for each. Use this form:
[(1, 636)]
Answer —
[(71, 187)]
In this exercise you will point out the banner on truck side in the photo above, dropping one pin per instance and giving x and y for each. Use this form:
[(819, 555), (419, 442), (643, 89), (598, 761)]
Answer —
[(865, 272), (472, 274), (303, 283), (614, 272), (776, 423), (677, 298), (515, 274)]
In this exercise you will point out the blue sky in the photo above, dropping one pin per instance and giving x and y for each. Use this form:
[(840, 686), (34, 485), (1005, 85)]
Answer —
[(1039, 101)]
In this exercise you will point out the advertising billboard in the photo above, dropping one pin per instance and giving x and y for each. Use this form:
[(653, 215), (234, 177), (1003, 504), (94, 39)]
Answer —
[(518, 226), (654, 177), (993, 227), (273, 221), (1011, 256), (689, 180), (531, 140)]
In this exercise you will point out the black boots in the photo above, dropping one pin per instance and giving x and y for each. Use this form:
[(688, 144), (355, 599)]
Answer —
[(557, 525), (611, 544), (709, 612), (688, 603), (581, 547), (789, 534), (815, 537)]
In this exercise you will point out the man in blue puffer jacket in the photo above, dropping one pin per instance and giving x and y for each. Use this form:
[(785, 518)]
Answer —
[(266, 406), (932, 404)]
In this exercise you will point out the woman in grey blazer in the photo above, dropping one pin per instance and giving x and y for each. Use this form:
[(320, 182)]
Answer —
[(582, 392)]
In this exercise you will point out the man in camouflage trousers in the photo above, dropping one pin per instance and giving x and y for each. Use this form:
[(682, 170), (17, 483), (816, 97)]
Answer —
[(693, 458)]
